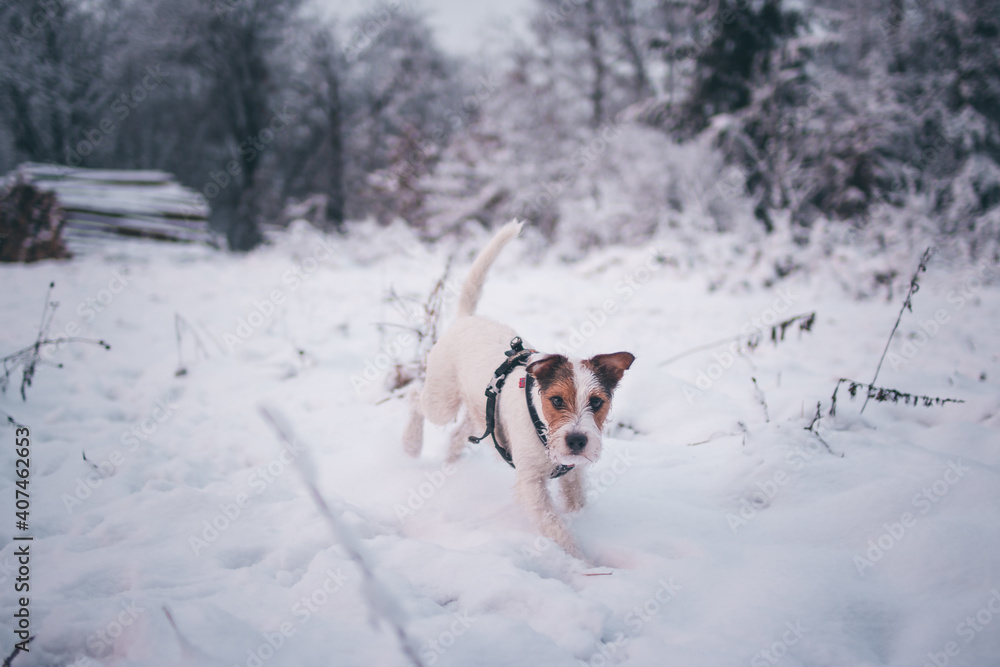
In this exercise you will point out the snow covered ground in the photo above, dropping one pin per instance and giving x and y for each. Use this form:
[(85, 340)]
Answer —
[(720, 530)]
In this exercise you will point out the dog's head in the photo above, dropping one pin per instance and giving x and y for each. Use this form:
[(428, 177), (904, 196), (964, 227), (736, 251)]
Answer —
[(573, 398)]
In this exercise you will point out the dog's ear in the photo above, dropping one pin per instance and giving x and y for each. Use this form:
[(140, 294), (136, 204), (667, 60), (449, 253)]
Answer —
[(545, 369), (609, 368)]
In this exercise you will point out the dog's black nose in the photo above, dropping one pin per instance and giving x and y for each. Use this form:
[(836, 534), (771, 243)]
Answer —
[(576, 442)]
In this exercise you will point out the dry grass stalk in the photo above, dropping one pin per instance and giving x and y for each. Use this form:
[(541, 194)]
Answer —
[(27, 359), (883, 394)]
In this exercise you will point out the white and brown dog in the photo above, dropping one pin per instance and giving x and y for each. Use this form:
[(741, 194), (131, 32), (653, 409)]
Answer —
[(571, 396)]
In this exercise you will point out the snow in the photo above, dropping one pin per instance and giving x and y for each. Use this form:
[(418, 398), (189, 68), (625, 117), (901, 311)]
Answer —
[(198, 542)]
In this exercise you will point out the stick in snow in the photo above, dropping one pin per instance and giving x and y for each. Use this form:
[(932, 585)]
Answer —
[(188, 650), (759, 394), (907, 303), (814, 429), (13, 654), (382, 602), (882, 394), (29, 357), (752, 340)]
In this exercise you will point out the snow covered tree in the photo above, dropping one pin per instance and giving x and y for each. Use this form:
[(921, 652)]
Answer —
[(737, 59), (872, 108), (400, 95), (230, 44), (611, 40), (53, 88), (306, 161)]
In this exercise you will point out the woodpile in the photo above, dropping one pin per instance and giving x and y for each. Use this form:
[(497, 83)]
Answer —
[(98, 204), (31, 224)]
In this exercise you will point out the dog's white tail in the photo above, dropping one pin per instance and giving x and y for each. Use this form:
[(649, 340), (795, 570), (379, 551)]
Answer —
[(473, 286)]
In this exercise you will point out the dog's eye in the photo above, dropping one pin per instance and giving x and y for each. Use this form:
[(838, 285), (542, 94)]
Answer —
[(557, 402), (596, 402)]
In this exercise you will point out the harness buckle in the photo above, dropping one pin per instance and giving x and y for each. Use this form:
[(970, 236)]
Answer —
[(516, 346)]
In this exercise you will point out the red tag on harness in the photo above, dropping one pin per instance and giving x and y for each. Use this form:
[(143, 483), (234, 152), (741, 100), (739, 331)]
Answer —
[(521, 383)]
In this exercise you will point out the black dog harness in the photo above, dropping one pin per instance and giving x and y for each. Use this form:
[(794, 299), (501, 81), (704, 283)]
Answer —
[(516, 356)]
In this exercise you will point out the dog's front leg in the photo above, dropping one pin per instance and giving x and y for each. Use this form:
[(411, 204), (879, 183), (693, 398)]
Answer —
[(572, 489), (413, 436), (460, 437), (533, 494)]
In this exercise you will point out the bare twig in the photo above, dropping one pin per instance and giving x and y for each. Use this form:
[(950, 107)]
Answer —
[(907, 304), (814, 429), (882, 394), (383, 604), (423, 321), (188, 650), (89, 462), (415, 330), (181, 370), (752, 340), (760, 398), (815, 419), (716, 436), (9, 418), (700, 348), (29, 358), (17, 649), (180, 326)]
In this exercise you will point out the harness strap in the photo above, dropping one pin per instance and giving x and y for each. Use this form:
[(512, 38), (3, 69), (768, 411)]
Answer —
[(540, 428), (516, 356)]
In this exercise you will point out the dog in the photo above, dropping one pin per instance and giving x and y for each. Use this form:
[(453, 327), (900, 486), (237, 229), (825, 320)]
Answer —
[(570, 398)]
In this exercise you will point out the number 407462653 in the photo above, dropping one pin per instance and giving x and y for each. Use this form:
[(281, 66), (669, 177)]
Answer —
[(22, 466)]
